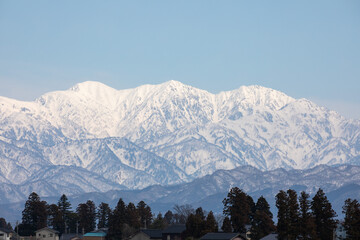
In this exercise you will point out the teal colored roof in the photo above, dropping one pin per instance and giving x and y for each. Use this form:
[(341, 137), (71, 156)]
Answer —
[(95, 234)]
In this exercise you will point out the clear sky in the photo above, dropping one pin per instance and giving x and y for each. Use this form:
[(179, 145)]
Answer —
[(306, 49)]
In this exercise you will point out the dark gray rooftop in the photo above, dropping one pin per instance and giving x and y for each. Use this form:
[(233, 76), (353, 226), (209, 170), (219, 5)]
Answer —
[(152, 233), (219, 236), (175, 229), (6, 230), (272, 236)]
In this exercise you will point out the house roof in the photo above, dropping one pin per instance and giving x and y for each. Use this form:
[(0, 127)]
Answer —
[(68, 236), (175, 229), (152, 233), (219, 236), (272, 236), (95, 234), (6, 230), (47, 229)]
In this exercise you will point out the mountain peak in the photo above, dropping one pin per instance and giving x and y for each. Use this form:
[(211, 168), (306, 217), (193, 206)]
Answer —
[(173, 83), (91, 87)]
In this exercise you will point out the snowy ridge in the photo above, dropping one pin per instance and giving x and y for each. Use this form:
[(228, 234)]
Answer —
[(338, 182), (167, 134)]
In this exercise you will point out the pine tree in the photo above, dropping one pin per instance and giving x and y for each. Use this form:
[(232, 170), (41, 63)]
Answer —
[(236, 205), (293, 211), (82, 211), (169, 217), (307, 228), (34, 215), (195, 224), (103, 215), (91, 215), (159, 222), (145, 214), (65, 209), (117, 221), (283, 215), (324, 215), (55, 219), (73, 220), (351, 209), (252, 207), (87, 216), (4, 224), (226, 225), (133, 217), (262, 223), (263, 205), (64, 205), (190, 226), (210, 223)]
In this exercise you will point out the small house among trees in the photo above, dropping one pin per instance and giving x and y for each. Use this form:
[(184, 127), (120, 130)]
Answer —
[(47, 234), (6, 234)]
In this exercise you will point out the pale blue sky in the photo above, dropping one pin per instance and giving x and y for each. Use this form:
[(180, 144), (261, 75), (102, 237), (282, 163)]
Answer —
[(307, 49)]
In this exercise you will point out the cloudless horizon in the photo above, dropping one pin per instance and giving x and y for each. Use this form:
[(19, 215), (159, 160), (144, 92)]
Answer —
[(306, 49)]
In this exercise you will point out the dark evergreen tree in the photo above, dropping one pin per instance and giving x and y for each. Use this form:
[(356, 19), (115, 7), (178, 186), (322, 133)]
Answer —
[(55, 219), (210, 223), (199, 212), (252, 207), (323, 215), (293, 211), (4, 224), (82, 211), (262, 223), (145, 214), (263, 205), (87, 216), (351, 209), (195, 224), (169, 217), (133, 216), (73, 220), (64, 204), (236, 205), (34, 215), (103, 215), (91, 215), (117, 221), (159, 222), (283, 215), (307, 228), (226, 225), (65, 210), (191, 226)]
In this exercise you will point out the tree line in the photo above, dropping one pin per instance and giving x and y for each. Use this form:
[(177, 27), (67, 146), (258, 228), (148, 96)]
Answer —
[(298, 217)]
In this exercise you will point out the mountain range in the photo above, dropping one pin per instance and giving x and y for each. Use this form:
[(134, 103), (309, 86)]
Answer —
[(93, 138), (338, 182)]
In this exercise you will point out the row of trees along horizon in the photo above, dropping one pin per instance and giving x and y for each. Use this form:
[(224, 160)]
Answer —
[(298, 217)]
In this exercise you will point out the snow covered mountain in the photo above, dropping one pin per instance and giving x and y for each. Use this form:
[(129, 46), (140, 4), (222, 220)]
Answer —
[(162, 134)]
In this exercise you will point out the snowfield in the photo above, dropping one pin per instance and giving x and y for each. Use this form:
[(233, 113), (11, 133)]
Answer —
[(96, 138)]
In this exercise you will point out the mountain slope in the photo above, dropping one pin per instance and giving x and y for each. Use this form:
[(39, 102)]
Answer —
[(338, 182), (169, 133)]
